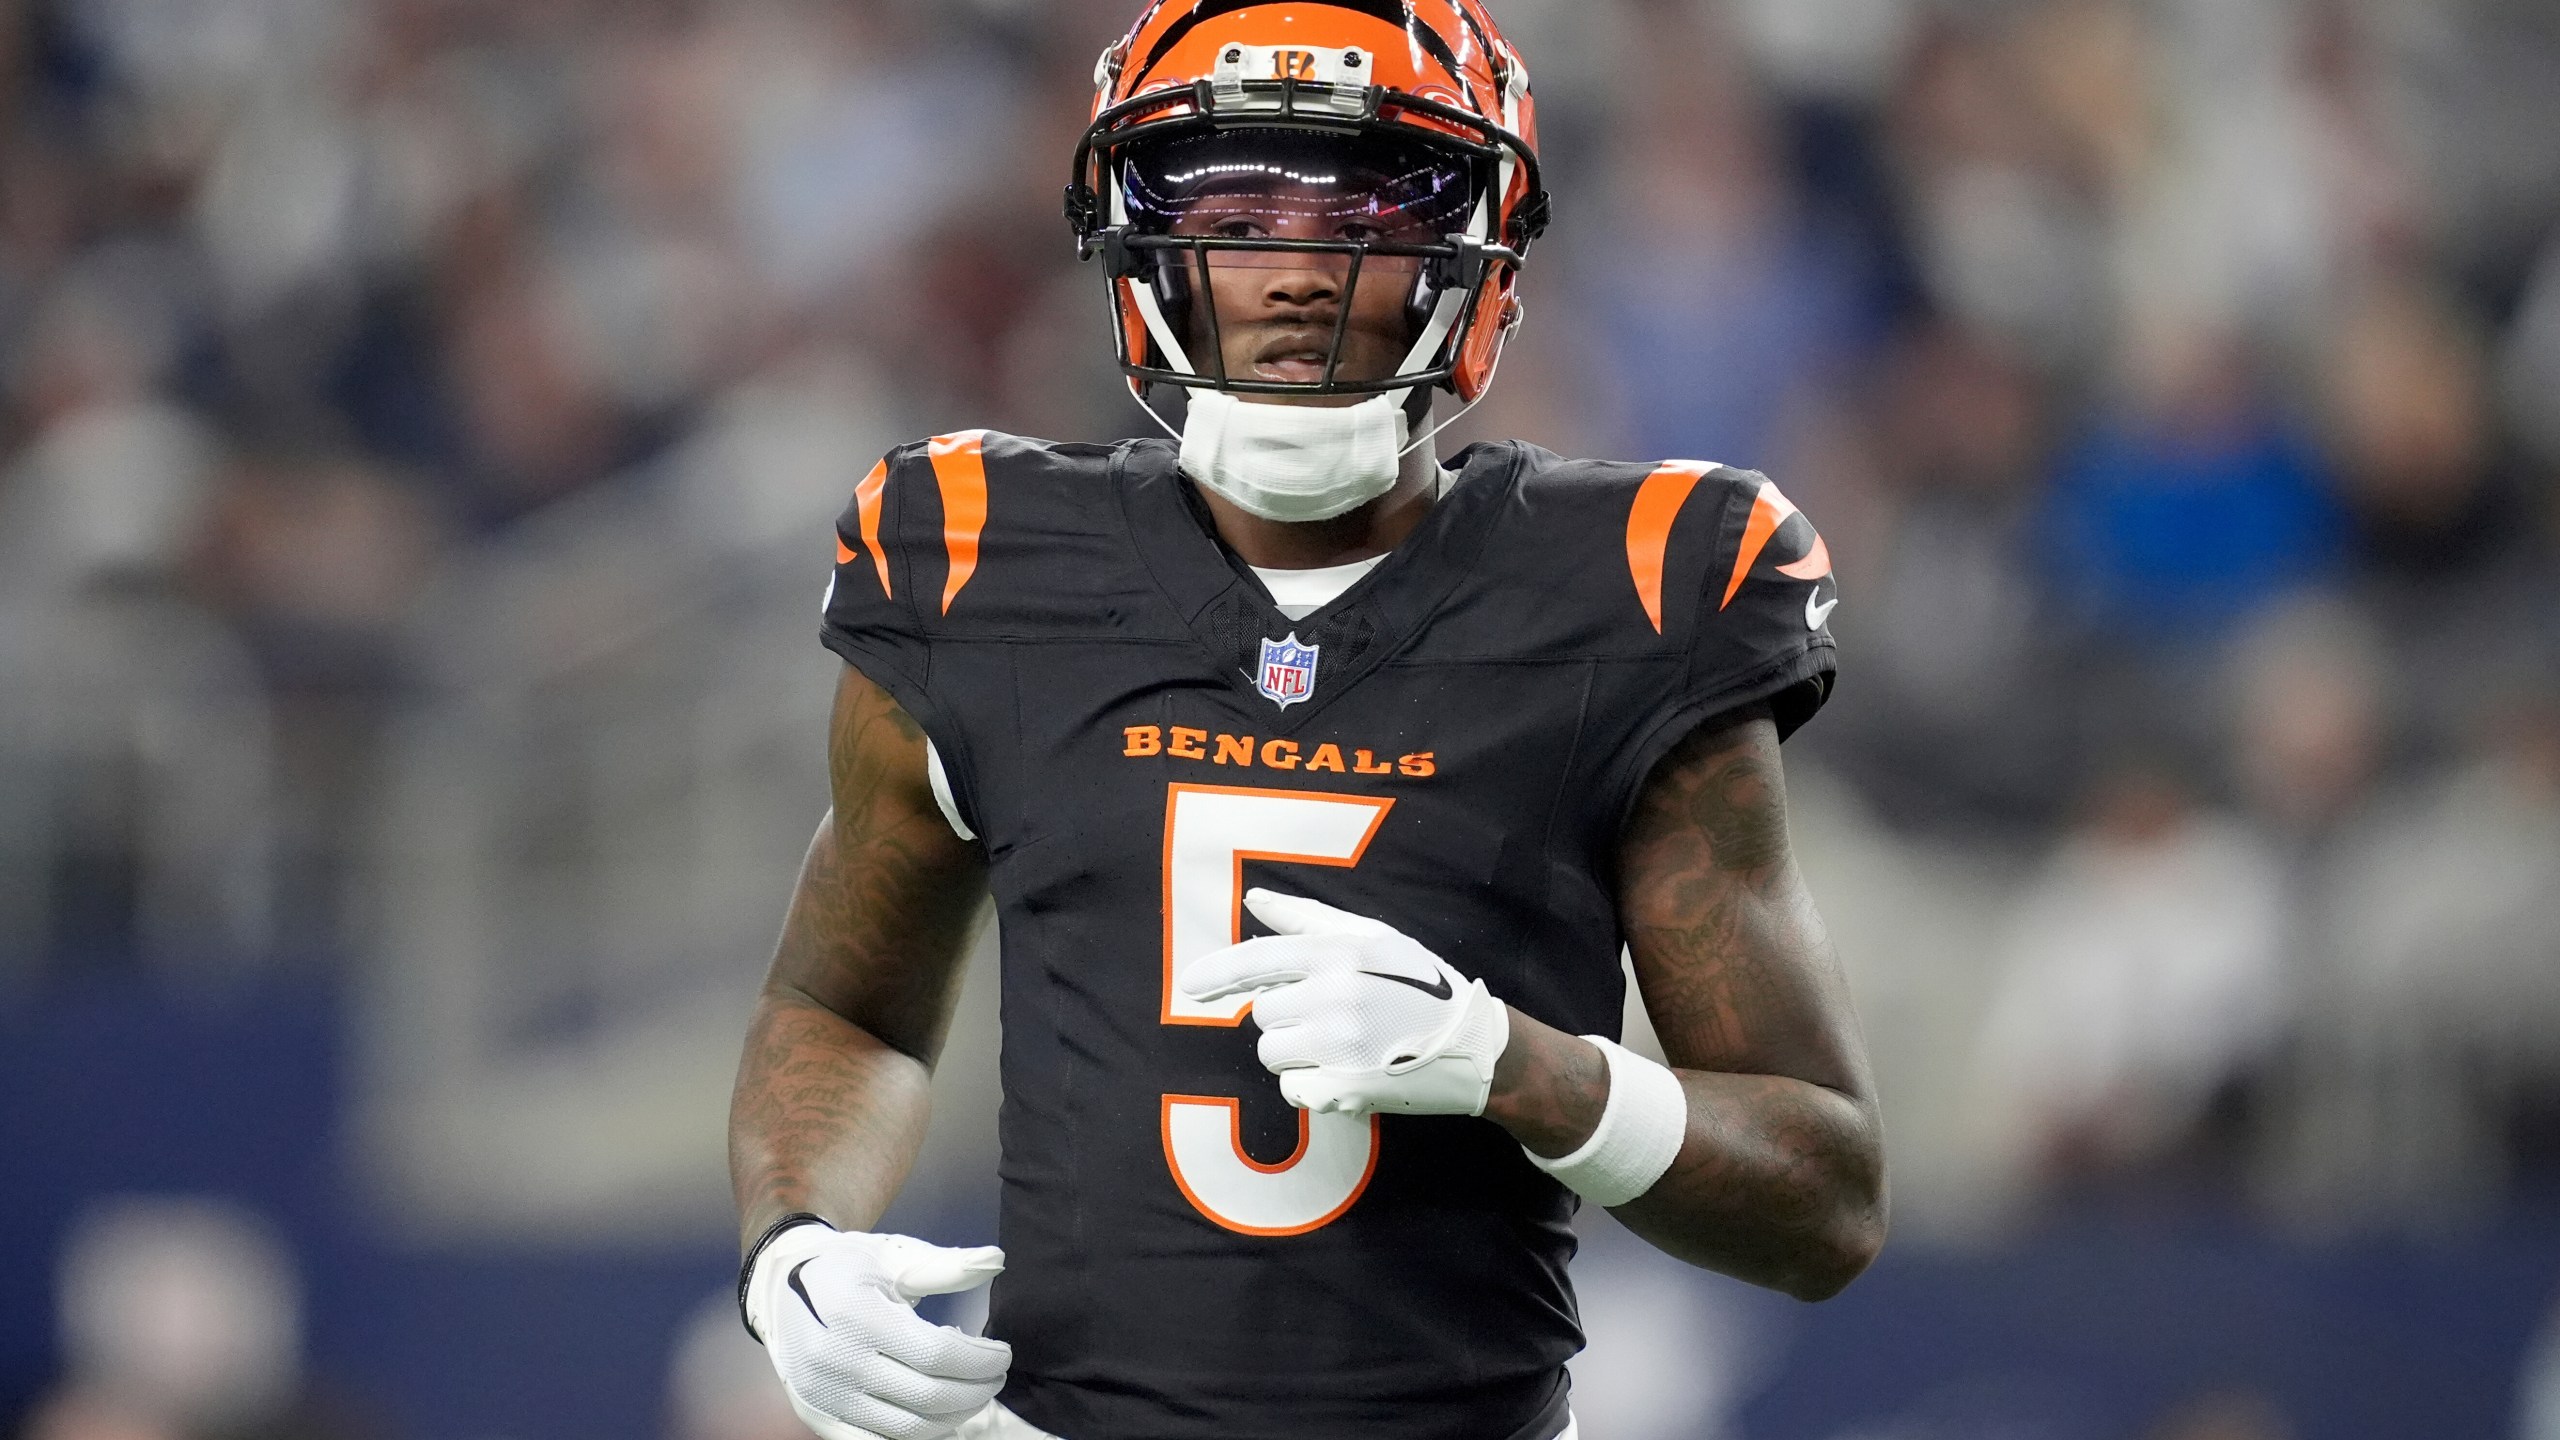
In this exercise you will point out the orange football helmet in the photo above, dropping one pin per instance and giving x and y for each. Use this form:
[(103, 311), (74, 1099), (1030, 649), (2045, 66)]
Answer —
[(1419, 107)]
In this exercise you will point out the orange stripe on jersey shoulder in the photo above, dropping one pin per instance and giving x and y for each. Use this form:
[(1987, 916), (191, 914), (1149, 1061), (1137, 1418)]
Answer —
[(1769, 510), (1657, 504), (866, 508), (960, 469)]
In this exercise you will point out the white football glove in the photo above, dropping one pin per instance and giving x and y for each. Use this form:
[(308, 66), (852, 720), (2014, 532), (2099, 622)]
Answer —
[(836, 1312), (1355, 1015)]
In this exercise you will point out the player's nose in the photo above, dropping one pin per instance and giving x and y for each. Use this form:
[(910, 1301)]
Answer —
[(1302, 286)]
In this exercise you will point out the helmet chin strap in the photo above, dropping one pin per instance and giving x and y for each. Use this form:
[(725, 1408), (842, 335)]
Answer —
[(1138, 393), (1294, 462)]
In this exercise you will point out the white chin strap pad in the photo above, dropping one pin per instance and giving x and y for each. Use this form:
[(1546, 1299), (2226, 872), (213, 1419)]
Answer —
[(1293, 462)]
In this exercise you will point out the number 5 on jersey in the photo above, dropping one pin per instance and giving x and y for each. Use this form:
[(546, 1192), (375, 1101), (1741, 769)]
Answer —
[(1209, 832)]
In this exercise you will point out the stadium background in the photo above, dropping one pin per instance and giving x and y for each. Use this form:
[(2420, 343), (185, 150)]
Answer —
[(420, 422)]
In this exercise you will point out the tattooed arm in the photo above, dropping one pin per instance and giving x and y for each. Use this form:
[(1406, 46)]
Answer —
[(1781, 1179), (833, 1092)]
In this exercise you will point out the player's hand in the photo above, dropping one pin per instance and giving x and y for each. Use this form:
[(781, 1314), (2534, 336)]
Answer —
[(1356, 1015), (836, 1312)]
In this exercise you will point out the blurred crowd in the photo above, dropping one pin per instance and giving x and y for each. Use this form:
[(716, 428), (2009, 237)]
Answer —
[(420, 419), (406, 405), (182, 1318)]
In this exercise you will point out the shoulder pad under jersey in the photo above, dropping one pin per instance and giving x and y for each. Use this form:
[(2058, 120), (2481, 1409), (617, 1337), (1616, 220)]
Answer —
[(1690, 559), (973, 533)]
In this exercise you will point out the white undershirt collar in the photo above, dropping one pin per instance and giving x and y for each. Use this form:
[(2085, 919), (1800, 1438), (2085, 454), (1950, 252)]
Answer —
[(1298, 594)]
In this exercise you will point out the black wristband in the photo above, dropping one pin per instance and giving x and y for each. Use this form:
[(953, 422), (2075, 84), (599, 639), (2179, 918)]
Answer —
[(747, 1269)]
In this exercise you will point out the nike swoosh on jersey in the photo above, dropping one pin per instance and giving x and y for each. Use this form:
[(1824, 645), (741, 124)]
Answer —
[(1438, 989), (1814, 614)]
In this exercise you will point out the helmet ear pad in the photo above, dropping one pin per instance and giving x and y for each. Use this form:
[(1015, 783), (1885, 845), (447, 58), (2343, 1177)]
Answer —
[(1137, 347), (1438, 276), (1168, 274), (1497, 313)]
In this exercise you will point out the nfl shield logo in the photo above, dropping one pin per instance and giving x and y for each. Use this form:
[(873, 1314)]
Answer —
[(1288, 672)]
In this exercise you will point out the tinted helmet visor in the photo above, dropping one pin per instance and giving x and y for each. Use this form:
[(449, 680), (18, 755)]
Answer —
[(1299, 185), (1375, 209)]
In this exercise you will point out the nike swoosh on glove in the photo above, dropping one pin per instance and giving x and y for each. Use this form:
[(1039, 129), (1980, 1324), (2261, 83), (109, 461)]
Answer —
[(836, 1312), (1356, 1015)]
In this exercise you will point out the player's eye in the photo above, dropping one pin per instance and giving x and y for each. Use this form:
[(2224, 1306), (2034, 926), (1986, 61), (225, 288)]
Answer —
[(1238, 227)]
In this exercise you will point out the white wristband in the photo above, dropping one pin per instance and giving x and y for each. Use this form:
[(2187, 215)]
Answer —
[(1638, 1136)]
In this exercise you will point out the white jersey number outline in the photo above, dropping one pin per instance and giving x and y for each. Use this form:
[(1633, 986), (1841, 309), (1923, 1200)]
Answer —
[(1209, 832)]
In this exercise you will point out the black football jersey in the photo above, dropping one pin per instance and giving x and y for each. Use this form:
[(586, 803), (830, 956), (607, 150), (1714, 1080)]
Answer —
[(1452, 746)]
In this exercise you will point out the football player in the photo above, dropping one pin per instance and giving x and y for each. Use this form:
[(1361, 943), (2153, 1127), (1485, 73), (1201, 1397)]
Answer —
[(1319, 785)]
